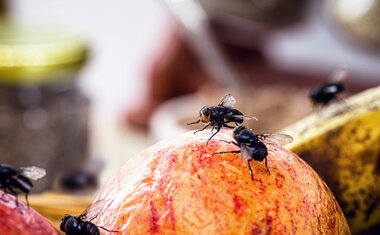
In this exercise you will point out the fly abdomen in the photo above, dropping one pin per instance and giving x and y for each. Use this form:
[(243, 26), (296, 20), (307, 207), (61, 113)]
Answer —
[(90, 229), (235, 118), (26, 180), (23, 186), (235, 112), (260, 151)]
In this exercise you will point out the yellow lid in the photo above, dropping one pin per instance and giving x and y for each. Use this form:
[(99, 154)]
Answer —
[(30, 55)]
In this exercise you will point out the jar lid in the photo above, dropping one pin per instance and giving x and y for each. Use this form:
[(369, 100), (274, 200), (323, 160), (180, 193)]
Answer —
[(30, 55)]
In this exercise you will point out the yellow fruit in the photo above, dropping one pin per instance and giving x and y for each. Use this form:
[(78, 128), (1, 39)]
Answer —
[(178, 187), (342, 143)]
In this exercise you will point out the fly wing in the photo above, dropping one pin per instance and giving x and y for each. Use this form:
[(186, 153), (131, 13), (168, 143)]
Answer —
[(243, 117), (246, 152), (33, 172), (276, 138), (228, 101), (339, 75), (93, 210)]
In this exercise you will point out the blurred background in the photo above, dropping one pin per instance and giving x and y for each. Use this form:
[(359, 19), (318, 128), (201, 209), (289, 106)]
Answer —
[(143, 69)]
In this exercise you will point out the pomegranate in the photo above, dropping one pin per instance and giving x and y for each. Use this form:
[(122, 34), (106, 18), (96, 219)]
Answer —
[(178, 187), (22, 220)]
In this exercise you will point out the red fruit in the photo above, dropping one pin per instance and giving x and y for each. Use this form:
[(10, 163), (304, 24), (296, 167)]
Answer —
[(178, 187), (22, 220)]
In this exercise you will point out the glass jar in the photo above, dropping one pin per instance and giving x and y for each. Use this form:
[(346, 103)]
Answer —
[(43, 113)]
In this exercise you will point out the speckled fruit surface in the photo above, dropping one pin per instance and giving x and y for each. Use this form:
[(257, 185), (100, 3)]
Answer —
[(22, 220), (178, 187)]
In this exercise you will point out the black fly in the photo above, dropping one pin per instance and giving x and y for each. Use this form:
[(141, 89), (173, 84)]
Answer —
[(78, 181), (325, 93), (220, 116), (252, 146), (83, 179), (15, 181), (82, 225)]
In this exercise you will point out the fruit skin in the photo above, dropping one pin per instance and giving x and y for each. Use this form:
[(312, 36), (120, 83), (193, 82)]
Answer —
[(177, 187), (343, 146), (22, 220)]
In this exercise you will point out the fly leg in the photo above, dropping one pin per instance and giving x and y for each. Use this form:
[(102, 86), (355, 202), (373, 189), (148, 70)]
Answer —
[(192, 123), (236, 151), (14, 193), (27, 201), (230, 142), (202, 128), (217, 130), (110, 231), (225, 125), (250, 169), (23, 186), (266, 165), (345, 106)]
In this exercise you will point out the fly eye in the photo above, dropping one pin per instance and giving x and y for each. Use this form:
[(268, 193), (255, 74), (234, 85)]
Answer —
[(204, 118), (205, 111), (63, 222)]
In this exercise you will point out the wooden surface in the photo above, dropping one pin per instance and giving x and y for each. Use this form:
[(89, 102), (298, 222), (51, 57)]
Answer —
[(54, 205)]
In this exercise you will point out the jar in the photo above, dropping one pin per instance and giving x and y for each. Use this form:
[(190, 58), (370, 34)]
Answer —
[(275, 13), (43, 113)]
